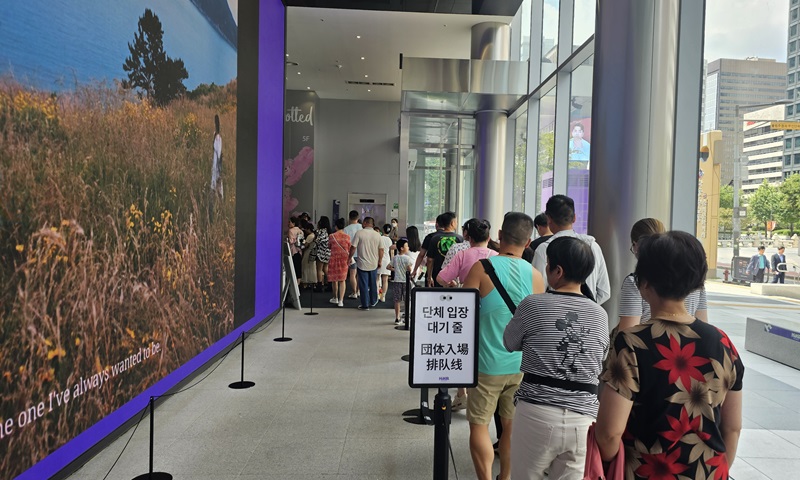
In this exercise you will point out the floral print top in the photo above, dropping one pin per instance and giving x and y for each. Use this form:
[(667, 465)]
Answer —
[(677, 376)]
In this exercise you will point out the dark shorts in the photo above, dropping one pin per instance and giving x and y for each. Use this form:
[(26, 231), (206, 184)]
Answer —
[(399, 291)]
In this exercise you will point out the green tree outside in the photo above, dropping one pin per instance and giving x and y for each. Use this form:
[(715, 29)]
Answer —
[(765, 204), (790, 204)]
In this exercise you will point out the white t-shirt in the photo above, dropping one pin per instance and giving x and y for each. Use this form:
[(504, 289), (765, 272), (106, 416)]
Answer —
[(351, 230), (368, 243), (631, 303), (387, 244)]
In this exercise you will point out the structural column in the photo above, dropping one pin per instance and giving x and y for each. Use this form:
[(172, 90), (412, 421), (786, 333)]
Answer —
[(645, 124), (490, 41)]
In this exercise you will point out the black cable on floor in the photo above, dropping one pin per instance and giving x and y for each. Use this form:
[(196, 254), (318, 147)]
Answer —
[(126, 444), (204, 377), (452, 457)]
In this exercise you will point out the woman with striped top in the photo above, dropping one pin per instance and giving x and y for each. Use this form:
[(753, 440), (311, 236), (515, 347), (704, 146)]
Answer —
[(563, 336), (633, 309)]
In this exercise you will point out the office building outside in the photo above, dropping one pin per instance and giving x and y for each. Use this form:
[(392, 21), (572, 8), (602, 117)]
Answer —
[(731, 82), (791, 151), (762, 155)]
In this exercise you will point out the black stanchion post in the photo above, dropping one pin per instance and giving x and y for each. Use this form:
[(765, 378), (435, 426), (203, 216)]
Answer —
[(408, 302), (441, 440), (242, 384), (151, 475), (312, 312), (421, 415), (283, 337)]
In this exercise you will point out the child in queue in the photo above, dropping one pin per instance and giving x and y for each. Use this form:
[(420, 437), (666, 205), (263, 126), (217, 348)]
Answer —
[(401, 266)]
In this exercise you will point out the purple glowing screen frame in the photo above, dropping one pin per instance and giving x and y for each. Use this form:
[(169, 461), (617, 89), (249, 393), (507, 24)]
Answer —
[(272, 24)]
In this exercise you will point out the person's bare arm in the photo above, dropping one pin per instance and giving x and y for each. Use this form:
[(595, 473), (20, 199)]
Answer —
[(380, 256), (352, 252), (626, 322), (474, 277), (612, 417), (538, 282), (731, 423), (420, 257), (429, 272), (702, 315)]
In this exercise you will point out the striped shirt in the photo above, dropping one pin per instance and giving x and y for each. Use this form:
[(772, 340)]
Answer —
[(631, 303), (562, 336)]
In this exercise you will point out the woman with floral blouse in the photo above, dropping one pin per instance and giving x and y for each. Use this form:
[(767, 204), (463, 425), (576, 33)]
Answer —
[(674, 383)]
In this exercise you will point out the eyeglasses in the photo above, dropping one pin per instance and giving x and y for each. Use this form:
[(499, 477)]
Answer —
[(631, 249)]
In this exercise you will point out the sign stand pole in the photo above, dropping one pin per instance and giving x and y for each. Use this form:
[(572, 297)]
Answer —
[(422, 415), (441, 435)]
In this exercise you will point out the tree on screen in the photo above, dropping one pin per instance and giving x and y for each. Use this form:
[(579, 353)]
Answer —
[(150, 70)]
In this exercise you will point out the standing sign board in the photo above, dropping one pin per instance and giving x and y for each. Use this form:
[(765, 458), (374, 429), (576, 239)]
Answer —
[(290, 277), (444, 338)]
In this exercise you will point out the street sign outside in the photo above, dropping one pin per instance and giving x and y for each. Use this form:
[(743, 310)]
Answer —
[(784, 125), (740, 212), (444, 338)]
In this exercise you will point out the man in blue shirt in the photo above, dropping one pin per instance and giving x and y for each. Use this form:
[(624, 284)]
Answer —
[(758, 265)]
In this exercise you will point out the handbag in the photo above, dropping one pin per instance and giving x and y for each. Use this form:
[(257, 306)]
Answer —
[(593, 468)]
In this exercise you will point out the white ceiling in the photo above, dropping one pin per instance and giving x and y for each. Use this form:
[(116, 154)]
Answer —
[(320, 38)]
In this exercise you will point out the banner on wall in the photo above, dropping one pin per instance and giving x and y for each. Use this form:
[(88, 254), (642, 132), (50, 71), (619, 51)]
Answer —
[(298, 153), (117, 208)]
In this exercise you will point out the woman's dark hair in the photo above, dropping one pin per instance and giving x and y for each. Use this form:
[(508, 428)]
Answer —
[(412, 234), (401, 242), (306, 225), (387, 228), (645, 227), (672, 263), (493, 245), (324, 223), (478, 229), (294, 221), (340, 223), (573, 255)]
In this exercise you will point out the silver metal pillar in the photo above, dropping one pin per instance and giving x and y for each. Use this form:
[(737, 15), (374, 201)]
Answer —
[(490, 41), (634, 117)]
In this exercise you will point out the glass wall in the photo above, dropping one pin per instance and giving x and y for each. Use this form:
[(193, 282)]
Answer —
[(556, 140)]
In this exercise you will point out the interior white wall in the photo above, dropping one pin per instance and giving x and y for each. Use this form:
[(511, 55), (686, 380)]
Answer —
[(357, 150)]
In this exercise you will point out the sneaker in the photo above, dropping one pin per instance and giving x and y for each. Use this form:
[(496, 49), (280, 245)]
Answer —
[(374, 304), (382, 298), (333, 300), (360, 307), (341, 303), (353, 295), (459, 403), (397, 321)]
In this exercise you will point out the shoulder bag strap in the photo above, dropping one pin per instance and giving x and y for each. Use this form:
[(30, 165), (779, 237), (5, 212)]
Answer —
[(487, 266)]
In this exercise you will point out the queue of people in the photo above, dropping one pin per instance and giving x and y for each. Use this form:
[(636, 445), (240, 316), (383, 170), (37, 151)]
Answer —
[(661, 391)]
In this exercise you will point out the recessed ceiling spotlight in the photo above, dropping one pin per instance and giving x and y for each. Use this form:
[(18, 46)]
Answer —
[(287, 54), (358, 36), (369, 90), (362, 58), (308, 88), (298, 73), (366, 76)]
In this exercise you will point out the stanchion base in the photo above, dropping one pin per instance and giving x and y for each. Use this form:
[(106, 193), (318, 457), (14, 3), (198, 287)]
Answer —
[(282, 339), (241, 385), (417, 418), (311, 313), (154, 476), (406, 358), (400, 327)]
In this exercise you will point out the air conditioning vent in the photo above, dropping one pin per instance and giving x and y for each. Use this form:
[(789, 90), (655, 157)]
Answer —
[(358, 82)]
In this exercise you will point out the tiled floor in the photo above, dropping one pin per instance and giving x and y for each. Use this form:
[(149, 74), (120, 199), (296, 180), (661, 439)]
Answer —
[(328, 405)]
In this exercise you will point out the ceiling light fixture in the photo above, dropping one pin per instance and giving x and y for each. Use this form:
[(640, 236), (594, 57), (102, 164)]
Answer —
[(366, 76), (298, 73), (308, 88), (369, 90), (358, 36), (362, 58)]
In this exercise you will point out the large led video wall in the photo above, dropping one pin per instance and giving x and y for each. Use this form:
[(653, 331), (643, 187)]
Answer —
[(120, 210)]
